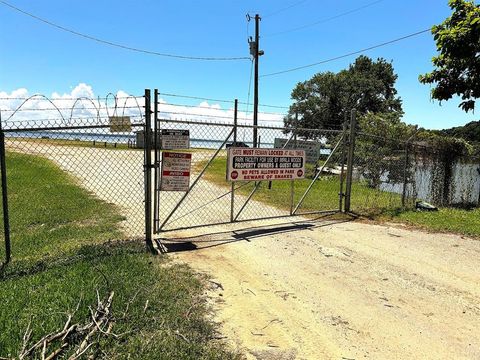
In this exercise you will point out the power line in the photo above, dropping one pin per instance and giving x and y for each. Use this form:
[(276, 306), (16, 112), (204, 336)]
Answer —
[(219, 100), (285, 8), (196, 98), (121, 46), (346, 55), (200, 115), (206, 108), (249, 87), (324, 20)]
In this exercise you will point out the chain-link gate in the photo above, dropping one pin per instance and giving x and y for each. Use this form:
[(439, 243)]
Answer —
[(210, 199)]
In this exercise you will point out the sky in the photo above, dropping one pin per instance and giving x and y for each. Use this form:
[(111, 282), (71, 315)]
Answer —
[(38, 58)]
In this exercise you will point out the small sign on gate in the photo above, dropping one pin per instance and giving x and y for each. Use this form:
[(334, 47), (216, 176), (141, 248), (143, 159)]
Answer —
[(175, 139), (265, 164), (175, 171), (312, 148), (120, 124)]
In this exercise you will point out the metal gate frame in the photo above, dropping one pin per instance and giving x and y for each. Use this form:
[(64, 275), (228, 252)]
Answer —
[(153, 224), (197, 179)]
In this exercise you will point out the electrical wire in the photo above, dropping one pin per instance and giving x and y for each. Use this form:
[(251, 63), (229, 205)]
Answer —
[(121, 46), (209, 108), (196, 97), (219, 100), (345, 55), (203, 115), (285, 8), (249, 87), (322, 21)]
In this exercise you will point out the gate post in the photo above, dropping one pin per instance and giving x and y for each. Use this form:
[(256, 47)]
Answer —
[(232, 190), (156, 159), (405, 175), (351, 153), (6, 220), (292, 182), (406, 167), (148, 171), (341, 194)]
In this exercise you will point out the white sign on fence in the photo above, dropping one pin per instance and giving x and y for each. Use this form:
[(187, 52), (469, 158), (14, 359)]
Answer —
[(175, 139), (175, 171), (312, 148), (265, 164)]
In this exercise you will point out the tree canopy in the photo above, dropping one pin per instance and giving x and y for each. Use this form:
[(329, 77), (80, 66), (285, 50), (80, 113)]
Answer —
[(469, 132), (457, 66), (324, 101)]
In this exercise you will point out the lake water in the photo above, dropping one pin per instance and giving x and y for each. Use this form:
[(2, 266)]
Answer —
[(110, 138)]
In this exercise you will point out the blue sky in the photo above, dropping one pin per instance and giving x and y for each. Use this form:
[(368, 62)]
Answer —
[(44, 60)]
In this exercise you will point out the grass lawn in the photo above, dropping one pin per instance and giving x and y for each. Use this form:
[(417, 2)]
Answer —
[(323, 195), (452, 220), (66, 246), (379, 205)]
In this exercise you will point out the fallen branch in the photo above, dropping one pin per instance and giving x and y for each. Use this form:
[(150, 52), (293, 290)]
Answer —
[(77, 337)]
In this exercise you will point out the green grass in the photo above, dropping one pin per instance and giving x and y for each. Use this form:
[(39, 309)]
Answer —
[(49, 213), (66, 245), (452, 220), (377, 205), (322, 197)]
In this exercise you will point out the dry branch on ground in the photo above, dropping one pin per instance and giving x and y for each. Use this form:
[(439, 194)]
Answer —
[(76, 337)]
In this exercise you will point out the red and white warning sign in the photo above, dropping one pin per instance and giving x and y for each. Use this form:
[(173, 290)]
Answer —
[(175, 171), (244, 164)]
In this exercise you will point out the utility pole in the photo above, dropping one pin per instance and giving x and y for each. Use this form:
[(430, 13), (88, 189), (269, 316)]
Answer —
[(256, 53)]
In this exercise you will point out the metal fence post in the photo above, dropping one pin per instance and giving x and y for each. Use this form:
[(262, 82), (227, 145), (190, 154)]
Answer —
[(232, 191), (155, 163), (405, 175), (292, 182), (351, 153), (341, 194), (405, 169), (6, 220), (148, 171)]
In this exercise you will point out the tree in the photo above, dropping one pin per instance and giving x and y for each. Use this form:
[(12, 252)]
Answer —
[(380, 152), (469, 132), (324, 101), (457, 67)]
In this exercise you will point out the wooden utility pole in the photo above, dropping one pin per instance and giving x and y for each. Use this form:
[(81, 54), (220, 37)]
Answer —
[(256, 53), (255, 96)]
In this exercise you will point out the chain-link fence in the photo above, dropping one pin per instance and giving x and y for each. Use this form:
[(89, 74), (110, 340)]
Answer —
[(102, 146), (92, 142), (444, 176), (381, 176), (391, 174), (212, 199)]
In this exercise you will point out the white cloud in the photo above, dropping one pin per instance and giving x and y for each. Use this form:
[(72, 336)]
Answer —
[(80, 106)]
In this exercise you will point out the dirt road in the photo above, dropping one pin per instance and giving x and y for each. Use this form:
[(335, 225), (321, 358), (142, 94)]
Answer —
[(313, 290), (344, 290)]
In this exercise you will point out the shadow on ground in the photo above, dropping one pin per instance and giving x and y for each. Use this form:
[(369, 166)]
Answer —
[(248, 233)]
